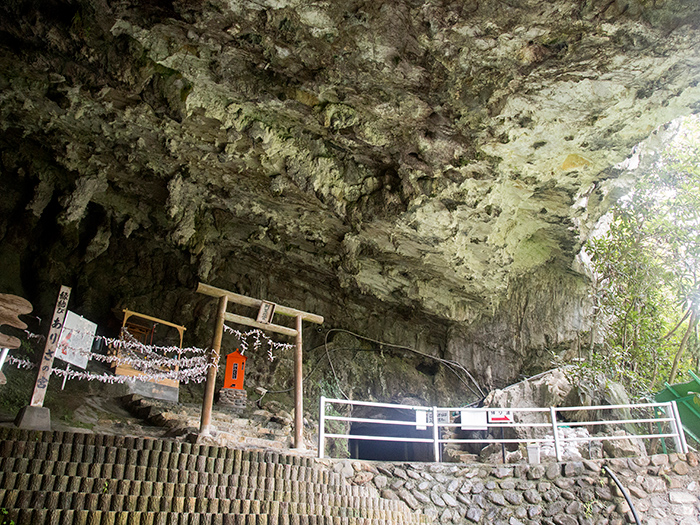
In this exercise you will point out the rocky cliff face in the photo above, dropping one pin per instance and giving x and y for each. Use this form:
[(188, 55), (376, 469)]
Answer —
[(421, 170)]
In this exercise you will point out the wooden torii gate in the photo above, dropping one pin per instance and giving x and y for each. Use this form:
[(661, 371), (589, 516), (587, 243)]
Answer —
[(223, 315)]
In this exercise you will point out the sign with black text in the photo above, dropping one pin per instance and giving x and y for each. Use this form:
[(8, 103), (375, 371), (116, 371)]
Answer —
[(267, 310), (42, 379), (500, 416)]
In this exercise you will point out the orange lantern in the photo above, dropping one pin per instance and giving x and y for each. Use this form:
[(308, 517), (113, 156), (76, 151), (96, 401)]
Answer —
[(235, 369)]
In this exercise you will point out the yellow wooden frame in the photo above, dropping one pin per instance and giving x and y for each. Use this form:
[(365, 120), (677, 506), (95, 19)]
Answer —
[(130, 313)]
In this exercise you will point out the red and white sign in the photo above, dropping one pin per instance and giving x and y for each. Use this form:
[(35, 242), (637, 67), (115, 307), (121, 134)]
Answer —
[(500, 416)]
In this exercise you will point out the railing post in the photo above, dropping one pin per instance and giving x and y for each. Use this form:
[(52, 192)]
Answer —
[(681, 445), (322, 427), (670, 412), (436, 436), (555, 431)]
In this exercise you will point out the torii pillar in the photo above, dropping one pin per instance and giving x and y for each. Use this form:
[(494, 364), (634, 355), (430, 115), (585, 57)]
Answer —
[(267, 310)]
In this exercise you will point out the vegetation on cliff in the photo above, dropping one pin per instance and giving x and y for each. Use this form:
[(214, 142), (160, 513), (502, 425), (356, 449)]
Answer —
[(645, 285)]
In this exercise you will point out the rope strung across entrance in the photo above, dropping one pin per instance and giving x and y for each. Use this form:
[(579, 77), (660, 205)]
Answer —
[(151, 361), (19, 362), (196, 373), (259, 337)]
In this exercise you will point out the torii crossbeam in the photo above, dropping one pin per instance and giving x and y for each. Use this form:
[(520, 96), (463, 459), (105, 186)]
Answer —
[(223, 315)]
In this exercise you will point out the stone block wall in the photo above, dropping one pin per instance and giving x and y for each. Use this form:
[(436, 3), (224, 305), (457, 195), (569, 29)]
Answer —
[(63, 478), (664, 489)]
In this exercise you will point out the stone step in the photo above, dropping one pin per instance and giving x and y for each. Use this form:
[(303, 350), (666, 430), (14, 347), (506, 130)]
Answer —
[(264, 478), (237, 429), (84, 443), (257, 441), (302, 494), (20, 472), (177, 463), (45, 440), (147, 458), (235, 489), (27, 499), (85, 517)]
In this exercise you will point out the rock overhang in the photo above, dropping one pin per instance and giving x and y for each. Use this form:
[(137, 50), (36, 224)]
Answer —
[(426, 154)]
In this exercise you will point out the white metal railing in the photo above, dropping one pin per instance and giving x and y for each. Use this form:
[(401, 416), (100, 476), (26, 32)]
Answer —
[(489, 419)]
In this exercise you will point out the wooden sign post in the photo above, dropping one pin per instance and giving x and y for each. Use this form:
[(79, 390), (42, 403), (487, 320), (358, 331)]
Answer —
[(35, 416), (265, 323), (59, 316)]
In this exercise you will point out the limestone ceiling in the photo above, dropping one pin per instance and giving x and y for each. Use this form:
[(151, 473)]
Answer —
[(421, 152)]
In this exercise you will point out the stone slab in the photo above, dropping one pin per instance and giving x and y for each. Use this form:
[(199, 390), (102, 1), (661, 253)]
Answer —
[(34, 418)]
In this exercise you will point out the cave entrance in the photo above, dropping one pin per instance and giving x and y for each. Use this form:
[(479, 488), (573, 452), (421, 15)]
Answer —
[(389, 450)]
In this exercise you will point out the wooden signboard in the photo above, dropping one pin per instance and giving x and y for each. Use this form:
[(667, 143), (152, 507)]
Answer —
[(42, 380), (266, 312)]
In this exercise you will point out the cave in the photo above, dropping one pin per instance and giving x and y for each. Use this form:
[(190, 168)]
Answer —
[(424, 174), (389, 450)]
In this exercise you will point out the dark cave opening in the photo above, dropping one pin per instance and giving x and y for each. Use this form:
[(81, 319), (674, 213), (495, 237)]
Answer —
[(390, 450), (429, 368)]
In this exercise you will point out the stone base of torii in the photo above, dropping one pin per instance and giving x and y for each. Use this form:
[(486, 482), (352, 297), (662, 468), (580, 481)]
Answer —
[(267, 311)]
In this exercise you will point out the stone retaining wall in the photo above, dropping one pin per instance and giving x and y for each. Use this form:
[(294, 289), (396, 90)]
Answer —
[(63, 478), (665, 490)]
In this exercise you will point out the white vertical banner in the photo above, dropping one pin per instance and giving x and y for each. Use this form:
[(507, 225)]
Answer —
[(76, 340), (421, 420)]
